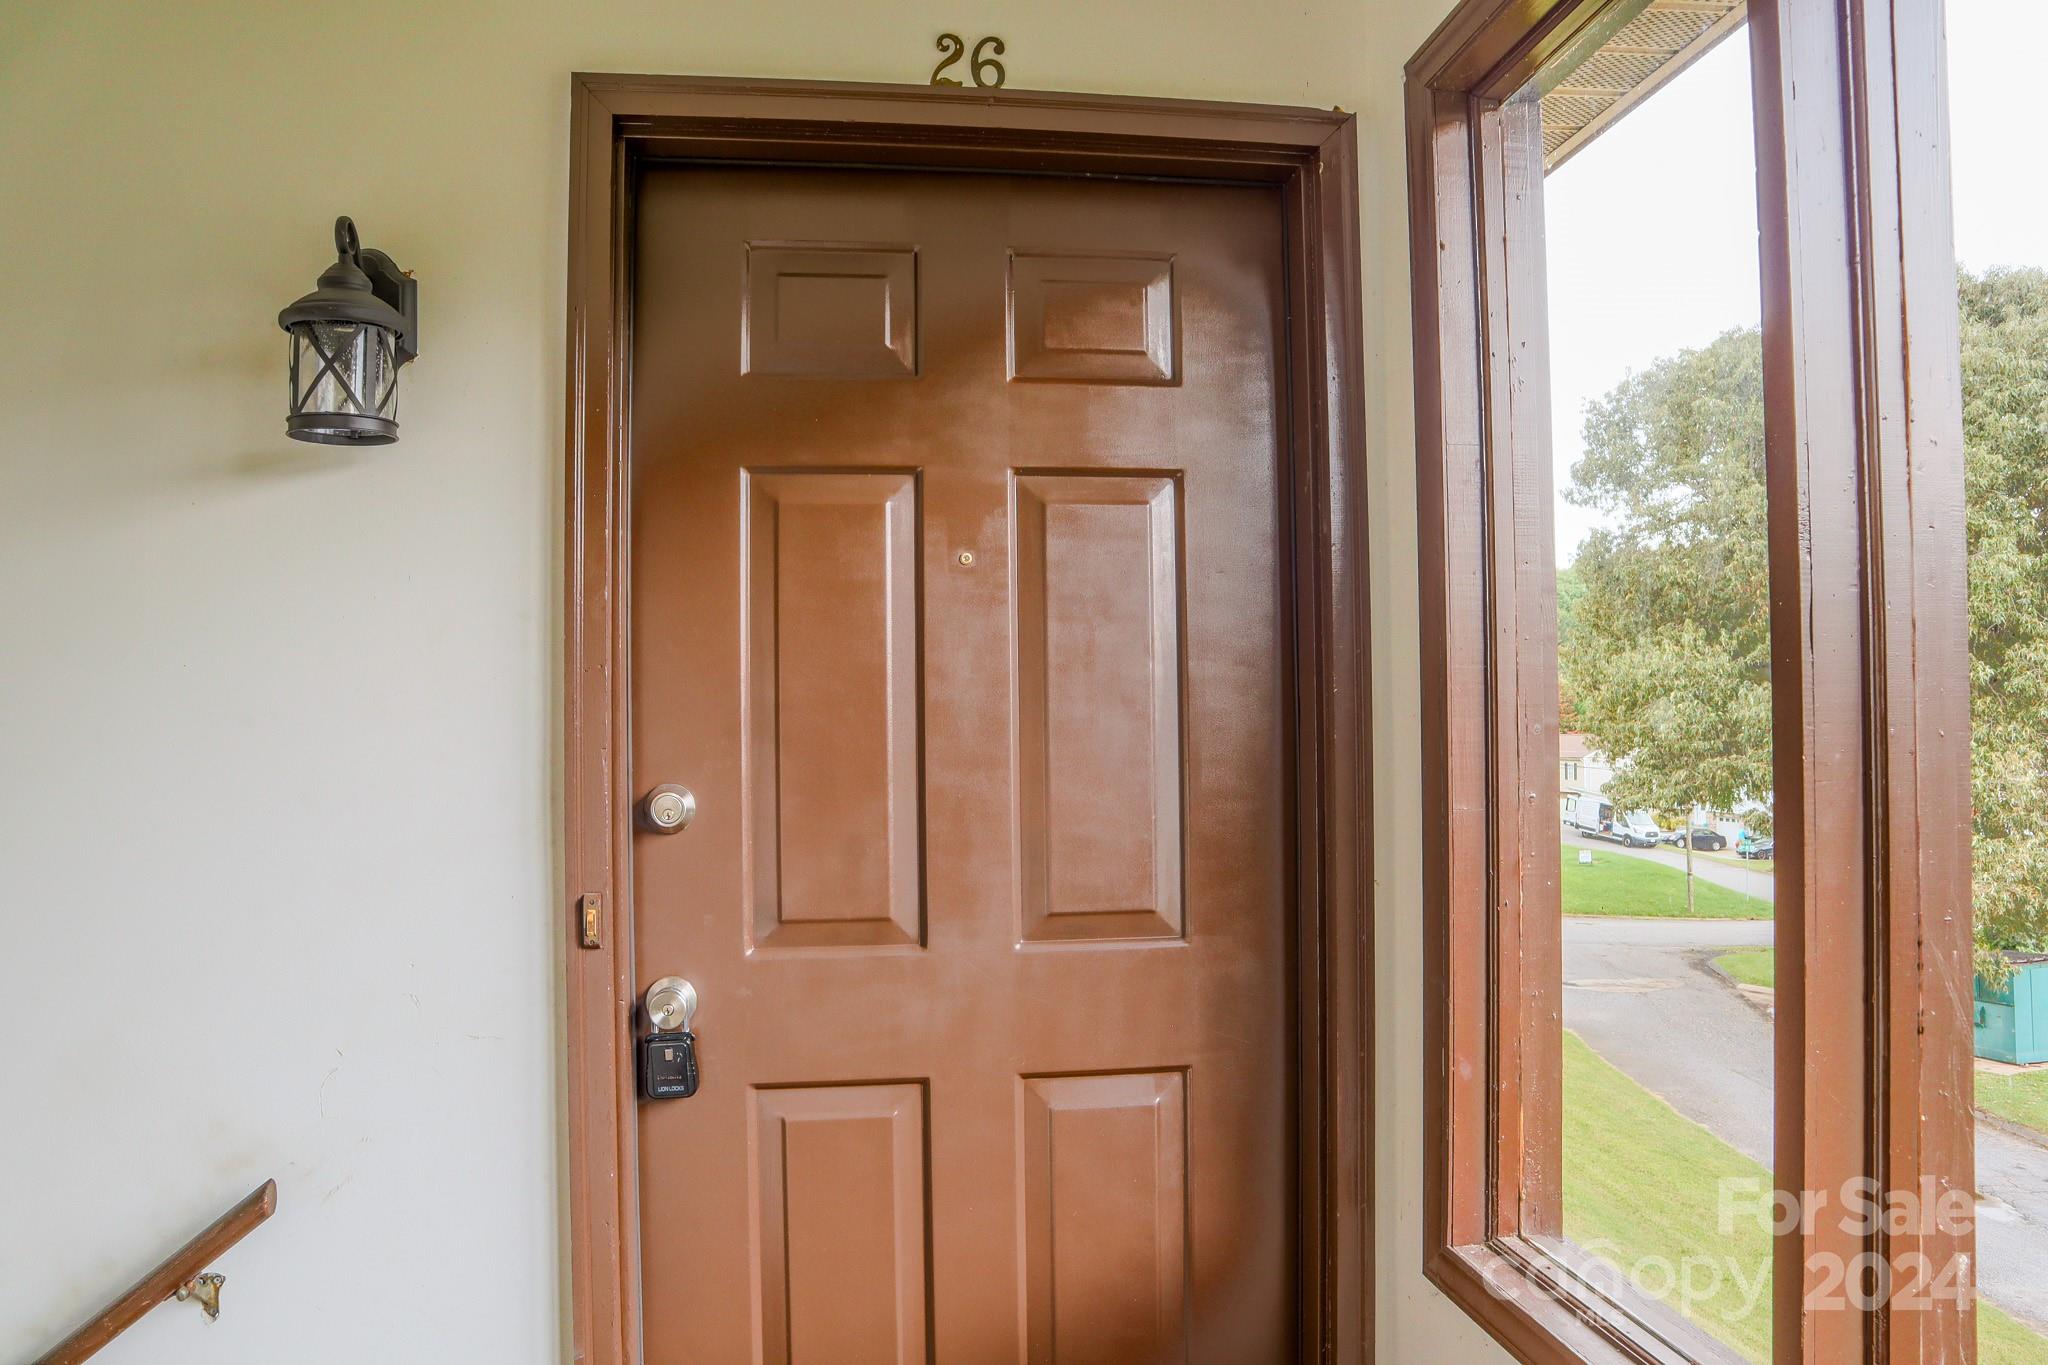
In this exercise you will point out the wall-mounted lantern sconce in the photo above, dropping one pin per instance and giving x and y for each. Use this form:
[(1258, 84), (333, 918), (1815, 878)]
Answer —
[(348, 338)]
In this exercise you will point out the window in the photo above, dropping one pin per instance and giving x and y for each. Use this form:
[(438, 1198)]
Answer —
[(1656, 453), (2002, 284), (1864, 684)]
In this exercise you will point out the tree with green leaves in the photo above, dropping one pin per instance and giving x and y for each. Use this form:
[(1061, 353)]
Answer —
[(1664, 653), (2005, 440)]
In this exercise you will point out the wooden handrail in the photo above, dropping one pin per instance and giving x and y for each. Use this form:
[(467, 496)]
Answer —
[(177, 1270)]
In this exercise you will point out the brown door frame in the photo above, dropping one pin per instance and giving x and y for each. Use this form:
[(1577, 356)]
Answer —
[(1310, 155)]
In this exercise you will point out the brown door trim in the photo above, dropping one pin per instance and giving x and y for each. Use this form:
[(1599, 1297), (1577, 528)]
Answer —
[(1311, 155)]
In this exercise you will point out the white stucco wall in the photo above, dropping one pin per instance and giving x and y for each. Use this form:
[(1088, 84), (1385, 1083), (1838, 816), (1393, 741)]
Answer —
[(277, 761)]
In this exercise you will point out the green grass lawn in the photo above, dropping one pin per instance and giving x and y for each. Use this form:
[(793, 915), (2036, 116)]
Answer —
[(1616, 884), (2016, 1099), (2001, 1341), (1641, 1181), (1751, 966)]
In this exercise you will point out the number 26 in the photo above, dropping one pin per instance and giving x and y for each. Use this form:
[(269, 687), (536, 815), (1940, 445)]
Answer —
[(987, 71)]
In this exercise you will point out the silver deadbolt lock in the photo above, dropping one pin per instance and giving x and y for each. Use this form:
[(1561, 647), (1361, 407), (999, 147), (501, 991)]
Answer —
[(668, 809)]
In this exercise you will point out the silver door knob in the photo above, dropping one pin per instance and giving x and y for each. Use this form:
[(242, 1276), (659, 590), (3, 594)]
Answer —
[(667, 809), (671, 1003)]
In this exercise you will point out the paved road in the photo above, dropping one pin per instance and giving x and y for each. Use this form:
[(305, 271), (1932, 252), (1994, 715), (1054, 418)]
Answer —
[(1643, 994), (1750, 881)]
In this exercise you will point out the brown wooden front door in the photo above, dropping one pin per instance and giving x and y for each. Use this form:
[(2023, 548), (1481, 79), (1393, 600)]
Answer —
[(959, 598)]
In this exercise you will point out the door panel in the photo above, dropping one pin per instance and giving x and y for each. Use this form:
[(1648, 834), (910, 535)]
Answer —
[(826, 310), (1098, 683), (1104, 1189), (833, 809), (839, 1223), (1092, 319), (958, 596)]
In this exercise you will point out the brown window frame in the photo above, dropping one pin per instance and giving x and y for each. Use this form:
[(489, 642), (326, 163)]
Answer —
[(1869, 651)]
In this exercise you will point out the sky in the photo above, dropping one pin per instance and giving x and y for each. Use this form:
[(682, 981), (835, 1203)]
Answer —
[(1651, 230)]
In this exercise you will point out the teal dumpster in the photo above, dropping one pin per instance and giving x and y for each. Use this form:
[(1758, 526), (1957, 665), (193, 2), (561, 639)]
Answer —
[(2012, 1020)]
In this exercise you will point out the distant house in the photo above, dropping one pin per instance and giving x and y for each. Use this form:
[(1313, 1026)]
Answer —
[(1582, 771)]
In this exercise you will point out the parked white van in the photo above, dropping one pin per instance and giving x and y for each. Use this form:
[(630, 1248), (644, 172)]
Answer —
[(1595, 818), (1638, 830)]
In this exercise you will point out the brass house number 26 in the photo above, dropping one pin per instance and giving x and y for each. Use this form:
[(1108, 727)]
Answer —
[(983, 66)]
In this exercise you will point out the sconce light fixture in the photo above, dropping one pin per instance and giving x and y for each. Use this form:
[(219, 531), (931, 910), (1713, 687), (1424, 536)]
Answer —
[(348, 338)]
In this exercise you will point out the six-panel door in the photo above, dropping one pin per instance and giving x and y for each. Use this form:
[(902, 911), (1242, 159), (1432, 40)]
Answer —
[(959, 598)]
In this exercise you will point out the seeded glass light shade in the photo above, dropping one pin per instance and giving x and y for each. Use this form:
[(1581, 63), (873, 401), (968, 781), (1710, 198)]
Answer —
[(344, 383), (348, 341)]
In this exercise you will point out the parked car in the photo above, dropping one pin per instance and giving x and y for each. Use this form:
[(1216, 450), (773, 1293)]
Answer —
[(1704, 840), (1750, 847)]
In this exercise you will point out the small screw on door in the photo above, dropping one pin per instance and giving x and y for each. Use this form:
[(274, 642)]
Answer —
[(667, 809)]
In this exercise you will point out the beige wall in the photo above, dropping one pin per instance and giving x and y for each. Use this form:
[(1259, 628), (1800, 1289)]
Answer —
[(277, 776)]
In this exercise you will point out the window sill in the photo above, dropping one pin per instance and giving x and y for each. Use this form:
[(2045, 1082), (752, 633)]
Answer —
[(1539, 1300)]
